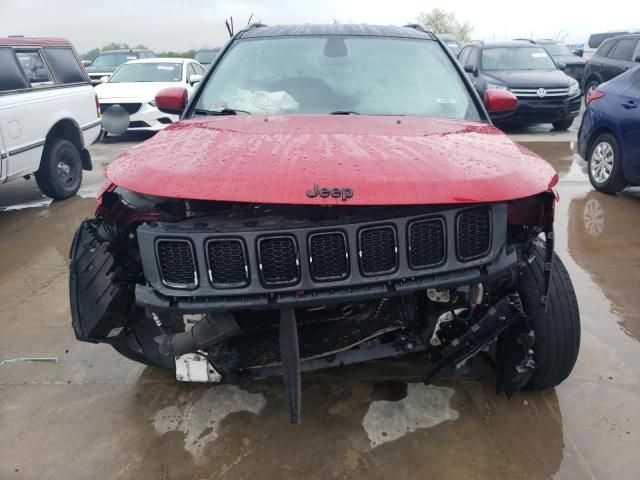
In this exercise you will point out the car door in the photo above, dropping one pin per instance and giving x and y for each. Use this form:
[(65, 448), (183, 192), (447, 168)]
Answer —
[(620, 58), (629, 122)]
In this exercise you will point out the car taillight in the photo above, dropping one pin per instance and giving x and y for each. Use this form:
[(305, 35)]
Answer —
[(97, 105), (595, 96)]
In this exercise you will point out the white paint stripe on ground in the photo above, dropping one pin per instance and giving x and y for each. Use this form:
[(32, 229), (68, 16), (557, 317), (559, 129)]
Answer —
[(424, 406)]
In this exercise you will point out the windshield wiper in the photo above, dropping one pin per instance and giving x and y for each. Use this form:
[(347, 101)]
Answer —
[(344, 112), (223, 111)]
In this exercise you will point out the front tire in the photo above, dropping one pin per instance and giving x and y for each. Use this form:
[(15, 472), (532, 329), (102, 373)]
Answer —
[(60, 172), (605, 164), (563, 124), (557, 331)]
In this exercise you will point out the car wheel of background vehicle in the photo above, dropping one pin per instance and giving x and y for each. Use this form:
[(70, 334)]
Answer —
[(562, 125), (591, 87), (605, 165), (557, 331), (60, 172)]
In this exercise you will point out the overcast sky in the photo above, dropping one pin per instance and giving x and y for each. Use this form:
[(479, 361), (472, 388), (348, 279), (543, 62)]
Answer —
[(184, 24)]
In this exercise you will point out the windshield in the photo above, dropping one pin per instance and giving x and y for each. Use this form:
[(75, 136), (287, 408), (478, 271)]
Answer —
[(516, 58), (345, 74), (558, 49), (148, 72), (206, 56), (112, 60)]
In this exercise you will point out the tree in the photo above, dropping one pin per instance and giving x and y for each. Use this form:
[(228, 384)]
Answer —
[(439, 21)]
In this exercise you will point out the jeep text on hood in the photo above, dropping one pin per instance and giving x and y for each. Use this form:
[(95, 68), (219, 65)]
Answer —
[(312, 210)]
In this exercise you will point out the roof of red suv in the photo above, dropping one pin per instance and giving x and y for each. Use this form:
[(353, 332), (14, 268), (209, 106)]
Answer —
[(34, 41)]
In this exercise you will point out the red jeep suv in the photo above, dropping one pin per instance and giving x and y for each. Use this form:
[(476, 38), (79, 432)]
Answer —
[(333, 194)]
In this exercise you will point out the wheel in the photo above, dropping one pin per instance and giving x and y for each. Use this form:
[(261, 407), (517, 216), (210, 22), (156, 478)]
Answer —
[(60, 172), (557, 331), (563, 124), (605, 164), (590, 88)]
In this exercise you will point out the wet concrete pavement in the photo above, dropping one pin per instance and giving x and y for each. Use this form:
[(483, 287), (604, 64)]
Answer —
[(94, 414)]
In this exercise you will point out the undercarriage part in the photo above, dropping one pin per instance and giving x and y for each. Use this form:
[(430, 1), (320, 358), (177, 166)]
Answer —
[(195, 367), (101, 293), (322, 331), (477, 334), (290, 359), (213, 328), (514, 357)]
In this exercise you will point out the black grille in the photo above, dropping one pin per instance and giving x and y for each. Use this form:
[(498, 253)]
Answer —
[(279, 260), (473, 234), (427, 247), (328, 256), (378, 250), (177, 263), (129, 107), (227, 263)]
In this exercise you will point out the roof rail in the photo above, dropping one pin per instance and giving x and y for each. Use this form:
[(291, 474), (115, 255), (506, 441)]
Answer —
[(528, 40), (255, 25)]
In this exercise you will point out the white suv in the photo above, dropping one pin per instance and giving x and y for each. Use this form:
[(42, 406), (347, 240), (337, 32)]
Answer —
[(49, 114)]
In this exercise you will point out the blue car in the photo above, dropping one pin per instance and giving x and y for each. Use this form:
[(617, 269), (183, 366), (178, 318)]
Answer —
[(609, 137)]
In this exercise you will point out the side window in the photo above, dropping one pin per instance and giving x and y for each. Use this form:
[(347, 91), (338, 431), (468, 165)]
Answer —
[(624, 49), (64, 65), (190, 71), (464, 54), (199, 69), (11, 77), (473, 57), (34, 68), (605, 48)]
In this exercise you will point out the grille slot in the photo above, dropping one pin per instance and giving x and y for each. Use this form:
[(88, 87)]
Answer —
[(131, 108), (227, 260), (378, 250), (177, 263), (279, 264), (427, 245), (473, 234), (328, 256)]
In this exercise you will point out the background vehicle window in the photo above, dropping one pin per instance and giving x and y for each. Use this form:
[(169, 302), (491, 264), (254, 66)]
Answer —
[(624, 49), (319, 75), (464, 55), (34, 68), (64, 64), (473, 57), (112, 60), (516, 58), (191, 71), (147, 72), (199, 69), (596, 39), (558, 49), (11, 77), (605, 48)]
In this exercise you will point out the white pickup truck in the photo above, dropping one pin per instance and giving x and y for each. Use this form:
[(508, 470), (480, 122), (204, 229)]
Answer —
[(49, 114)]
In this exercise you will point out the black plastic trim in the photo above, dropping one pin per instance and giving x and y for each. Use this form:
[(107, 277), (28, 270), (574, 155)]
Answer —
[(182, 286), (346, 245), (246, 261)]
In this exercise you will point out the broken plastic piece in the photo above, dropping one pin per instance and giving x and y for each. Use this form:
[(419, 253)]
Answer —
[(29, 359)]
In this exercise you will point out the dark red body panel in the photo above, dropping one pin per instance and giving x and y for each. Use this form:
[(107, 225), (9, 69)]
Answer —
[(34, 41), (384, 160)]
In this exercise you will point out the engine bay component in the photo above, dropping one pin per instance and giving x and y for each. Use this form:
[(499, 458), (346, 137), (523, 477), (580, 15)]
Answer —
[(213, 328), (195, 367)]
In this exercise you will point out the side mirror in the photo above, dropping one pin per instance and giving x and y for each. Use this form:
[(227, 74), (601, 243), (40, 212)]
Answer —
[(172, 100), (500, 103), (637, 59), (470, 69), (562, 65), (193, 79), (104, 79), (86, 63)]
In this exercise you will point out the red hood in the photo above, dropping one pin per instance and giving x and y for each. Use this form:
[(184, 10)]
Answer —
[(384, 160)]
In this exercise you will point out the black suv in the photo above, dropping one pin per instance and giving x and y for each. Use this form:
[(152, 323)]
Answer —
[(545, 93), (615, 56), (105, 63)]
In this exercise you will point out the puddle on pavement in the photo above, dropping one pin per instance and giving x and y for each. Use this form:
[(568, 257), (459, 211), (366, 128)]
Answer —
[(424, 406), (199, 421)]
